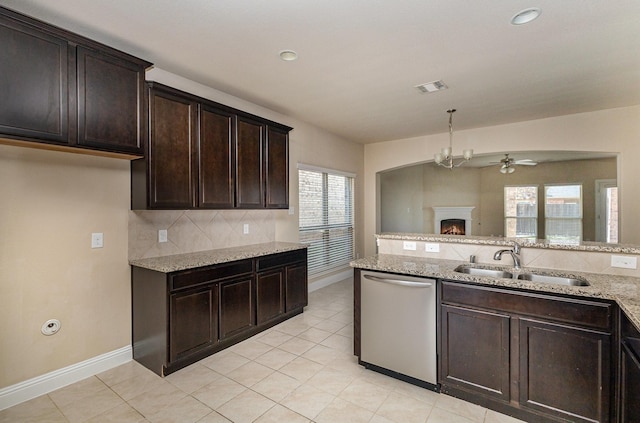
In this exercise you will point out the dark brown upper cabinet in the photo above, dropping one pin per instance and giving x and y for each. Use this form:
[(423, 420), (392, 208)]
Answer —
[(201, 154), (34, 97), (170, 157), (216, 158), (249, 166), (277, 168), (64, 90)]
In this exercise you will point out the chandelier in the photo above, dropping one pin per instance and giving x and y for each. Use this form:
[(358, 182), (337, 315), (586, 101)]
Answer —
[(445, 157)]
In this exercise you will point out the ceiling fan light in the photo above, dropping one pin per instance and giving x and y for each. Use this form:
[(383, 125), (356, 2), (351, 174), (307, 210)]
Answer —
[(507, 169)]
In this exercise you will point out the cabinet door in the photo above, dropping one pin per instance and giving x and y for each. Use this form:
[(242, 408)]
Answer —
[(629, 385), (249, 174), (110, 102), (269, 295), (216, 159), (277, 168), (296, 287), (33, 83), (475, 351), (565, 371), (170, 153), (194, 322), (236, 307)]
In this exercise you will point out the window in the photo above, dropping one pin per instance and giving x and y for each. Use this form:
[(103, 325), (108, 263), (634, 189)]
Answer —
[(563, 213), (521, 211), (326, 217)]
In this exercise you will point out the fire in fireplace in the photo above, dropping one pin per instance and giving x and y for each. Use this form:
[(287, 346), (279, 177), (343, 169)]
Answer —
[(452, 226)]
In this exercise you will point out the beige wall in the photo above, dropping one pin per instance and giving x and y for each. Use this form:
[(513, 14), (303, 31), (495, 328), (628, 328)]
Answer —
[(51, 203), (613, 130)]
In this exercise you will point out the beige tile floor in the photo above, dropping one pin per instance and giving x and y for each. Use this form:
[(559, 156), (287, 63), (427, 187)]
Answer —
[(301, 370)]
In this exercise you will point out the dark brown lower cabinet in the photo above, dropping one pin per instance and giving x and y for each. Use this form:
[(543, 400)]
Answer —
[(184, 316), (236, 306), (565, 371), (296, 286), (629, 405), (538, 357), (473, 337), (194, 321), (270, 295)]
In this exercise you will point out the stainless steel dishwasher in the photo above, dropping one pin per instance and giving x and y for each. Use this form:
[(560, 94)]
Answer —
[(398, 326)]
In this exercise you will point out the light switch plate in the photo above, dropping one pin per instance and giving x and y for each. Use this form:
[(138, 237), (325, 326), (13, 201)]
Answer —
[(162, 235), (292, 210), (245, 228), (409, 245), (97, 240), (624, 262)]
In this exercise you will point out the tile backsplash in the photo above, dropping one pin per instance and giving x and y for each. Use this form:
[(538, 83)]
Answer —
[(196, 230)]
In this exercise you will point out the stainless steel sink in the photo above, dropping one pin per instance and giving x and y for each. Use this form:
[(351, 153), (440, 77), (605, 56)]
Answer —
[(479, 271), (559, 280)]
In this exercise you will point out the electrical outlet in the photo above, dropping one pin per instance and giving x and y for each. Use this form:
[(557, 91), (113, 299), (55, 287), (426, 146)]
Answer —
[(409, 245), (432, 248), (97, 240), (162, 235), (625, 262), (245, 228)]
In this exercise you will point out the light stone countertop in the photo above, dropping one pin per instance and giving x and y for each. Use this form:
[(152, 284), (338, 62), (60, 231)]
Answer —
[(624, 290), (177, 262), (507, 242)]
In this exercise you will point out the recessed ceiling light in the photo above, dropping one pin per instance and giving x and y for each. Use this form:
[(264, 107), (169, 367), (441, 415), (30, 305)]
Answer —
[(431, 87), (288, 55), (525, 16)]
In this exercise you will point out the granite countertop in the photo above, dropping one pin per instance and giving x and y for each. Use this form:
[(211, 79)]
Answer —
[(177, 262), (500, 241), (624, 290)]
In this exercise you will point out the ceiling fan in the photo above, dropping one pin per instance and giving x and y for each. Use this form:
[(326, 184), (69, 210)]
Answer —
[(507, 165)]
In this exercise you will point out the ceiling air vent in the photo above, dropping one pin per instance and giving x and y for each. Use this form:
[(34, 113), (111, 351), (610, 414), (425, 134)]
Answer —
[(432, 87)]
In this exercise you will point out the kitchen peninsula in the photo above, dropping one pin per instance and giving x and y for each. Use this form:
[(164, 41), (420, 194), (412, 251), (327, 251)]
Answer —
[(539, 351)]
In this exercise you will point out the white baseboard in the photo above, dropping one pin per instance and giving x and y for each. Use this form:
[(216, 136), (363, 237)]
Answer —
[(331, 279), (32, 388)]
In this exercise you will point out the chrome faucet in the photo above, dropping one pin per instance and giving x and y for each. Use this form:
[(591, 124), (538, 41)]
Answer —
[(515, 254)]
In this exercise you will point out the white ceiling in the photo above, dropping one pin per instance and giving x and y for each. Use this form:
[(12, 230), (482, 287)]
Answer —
[(359, 60)]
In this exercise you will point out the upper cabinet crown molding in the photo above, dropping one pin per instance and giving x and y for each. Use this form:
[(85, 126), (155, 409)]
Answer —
[(64, 91), (202, 154)]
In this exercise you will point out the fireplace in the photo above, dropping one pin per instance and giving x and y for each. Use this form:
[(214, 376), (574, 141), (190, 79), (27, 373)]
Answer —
[(452, 226), (452, 220)]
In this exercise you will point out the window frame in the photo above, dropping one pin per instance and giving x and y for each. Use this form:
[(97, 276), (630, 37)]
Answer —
[(507, 217), (321, 259), (548, 219)]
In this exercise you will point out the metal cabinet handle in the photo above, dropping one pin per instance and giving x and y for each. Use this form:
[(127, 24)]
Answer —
[(409, 284)]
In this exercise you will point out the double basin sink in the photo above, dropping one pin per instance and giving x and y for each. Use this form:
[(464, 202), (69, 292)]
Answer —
[(531, 277)]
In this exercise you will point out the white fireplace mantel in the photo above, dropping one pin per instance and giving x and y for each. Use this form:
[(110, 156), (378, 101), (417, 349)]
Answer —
[(453, 212)]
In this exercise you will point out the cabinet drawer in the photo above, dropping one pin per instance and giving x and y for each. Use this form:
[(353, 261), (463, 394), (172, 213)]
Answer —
[(191, 278), (592, 314), (281, 259)]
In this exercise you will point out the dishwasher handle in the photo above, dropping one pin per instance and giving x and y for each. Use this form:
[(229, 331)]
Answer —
[(409, 284)]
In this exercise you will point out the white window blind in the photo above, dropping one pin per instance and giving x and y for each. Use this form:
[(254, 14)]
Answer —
[(563, 213), (521, 211), (326, 218)]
